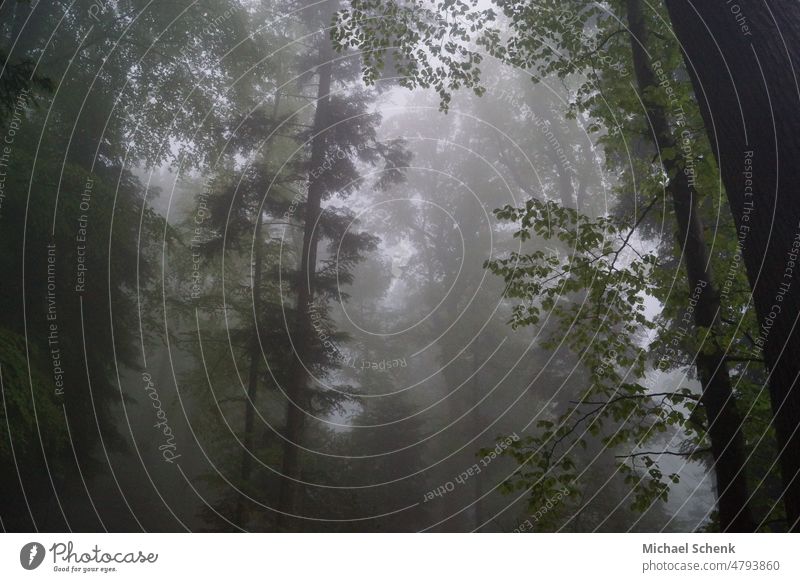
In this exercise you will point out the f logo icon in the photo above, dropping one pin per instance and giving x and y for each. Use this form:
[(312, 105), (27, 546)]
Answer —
[(31, 555)]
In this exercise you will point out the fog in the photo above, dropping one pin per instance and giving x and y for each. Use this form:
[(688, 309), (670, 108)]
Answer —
[(278, 300)]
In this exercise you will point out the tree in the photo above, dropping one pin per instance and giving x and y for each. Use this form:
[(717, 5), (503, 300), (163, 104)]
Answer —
[(342, 135), (744, 77), (724, 420), (83, 231)]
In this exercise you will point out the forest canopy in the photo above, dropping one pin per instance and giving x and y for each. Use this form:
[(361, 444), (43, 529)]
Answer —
[(399, 265)]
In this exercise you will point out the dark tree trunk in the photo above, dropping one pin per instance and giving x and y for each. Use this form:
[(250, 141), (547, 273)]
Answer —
[(745, 80), (255, 354), (252, 375), (724, 420), (297, 388)]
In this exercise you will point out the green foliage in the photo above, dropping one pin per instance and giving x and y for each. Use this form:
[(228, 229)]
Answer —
[(31, 409), (425, 43), (596, 297)]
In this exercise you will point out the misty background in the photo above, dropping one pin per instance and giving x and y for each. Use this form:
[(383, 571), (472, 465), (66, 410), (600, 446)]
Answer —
[(267, 286)]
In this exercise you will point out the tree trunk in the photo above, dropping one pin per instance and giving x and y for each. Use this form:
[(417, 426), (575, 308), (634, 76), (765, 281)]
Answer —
[(255, 348), (743, 69), (297, 387), (252, 379), (724, 420)]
